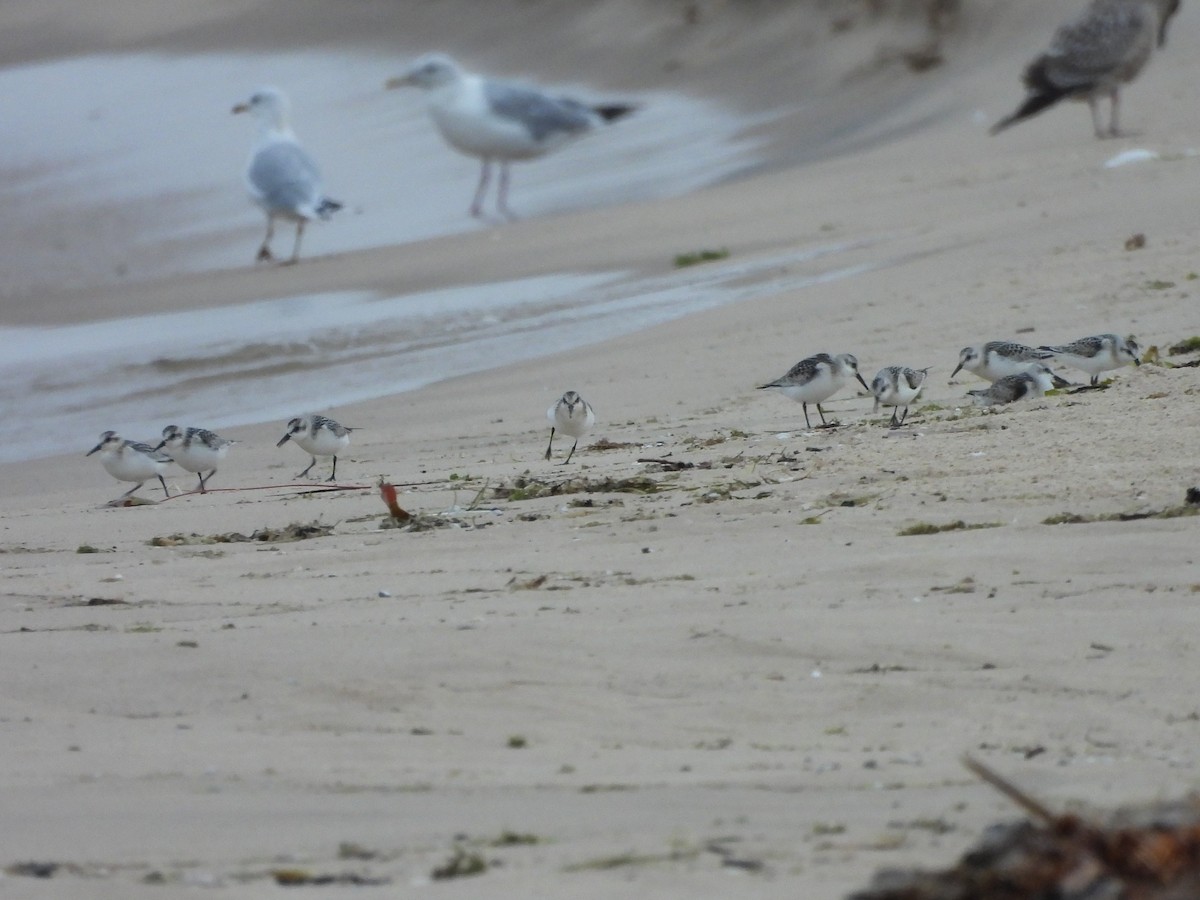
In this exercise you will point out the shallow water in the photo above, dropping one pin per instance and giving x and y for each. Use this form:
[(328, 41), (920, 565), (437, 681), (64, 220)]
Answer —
[(135, 168), (63, 385)]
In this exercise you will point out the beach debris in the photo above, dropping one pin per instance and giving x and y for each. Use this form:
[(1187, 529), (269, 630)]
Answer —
[(526, 487), (683, 260), (33, 869), (1189, 507), (388, 492), (297, 531), (462, 864), (1145, 853), (1188, 345), (667, 465), (299, 877), (1135, 241), (930, 528)]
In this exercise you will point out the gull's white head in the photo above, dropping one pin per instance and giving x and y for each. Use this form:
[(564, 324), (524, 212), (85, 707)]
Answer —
[(270, 106), (429, 71)]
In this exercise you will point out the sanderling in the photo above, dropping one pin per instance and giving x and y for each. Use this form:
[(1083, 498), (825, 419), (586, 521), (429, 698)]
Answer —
[(318, 436), (998, 359), (491, 119), (131, 461), (1023, 385), (573, 416), (1092, 56), (1098, 353), (196, 450), (897, 386), (282, 178), (816, 379)]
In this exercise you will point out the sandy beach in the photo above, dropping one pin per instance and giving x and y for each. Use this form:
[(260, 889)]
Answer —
[(718, 654)]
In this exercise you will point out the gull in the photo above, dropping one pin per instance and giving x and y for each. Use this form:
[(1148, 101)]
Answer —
[(318, 436), (573, 416), (1098, 353), (1029, 384), (815, 379), (131, 461), (1092, 56), (195, 450), (498, 120), (897, 386), (281, 177), (997, 359)]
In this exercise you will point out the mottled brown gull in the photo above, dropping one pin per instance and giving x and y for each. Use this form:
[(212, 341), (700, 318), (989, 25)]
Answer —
[(1092, 56)]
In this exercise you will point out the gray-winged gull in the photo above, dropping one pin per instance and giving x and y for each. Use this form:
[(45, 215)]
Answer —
[(281, 177), (1092, 56), (497, 120)]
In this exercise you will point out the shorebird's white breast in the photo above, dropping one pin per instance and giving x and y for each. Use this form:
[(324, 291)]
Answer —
[(323, 443), (198, 456), (823, 384), (127, 464), (573, 421)]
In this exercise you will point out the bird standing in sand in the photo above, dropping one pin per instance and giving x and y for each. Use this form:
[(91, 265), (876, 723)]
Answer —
[(1092, 56), (573, 416), (131, 461), (318, 436), (1098, 353), (816, 379), (281, 177), (897, 386), (497, 120), (196, 450)]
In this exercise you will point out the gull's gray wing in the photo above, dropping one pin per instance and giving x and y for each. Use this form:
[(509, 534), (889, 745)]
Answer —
[(285, 177), (1111, 40), (540, 114)]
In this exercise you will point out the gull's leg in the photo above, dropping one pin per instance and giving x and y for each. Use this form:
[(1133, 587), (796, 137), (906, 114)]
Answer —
[(296, 246), (309, 468), (164, 484), (572, 453), (264, 252), (485, 175), (551, 444), (807, 424), (1114, 100), (502, 193), (333, 474), (822, 412), (1094, 106)]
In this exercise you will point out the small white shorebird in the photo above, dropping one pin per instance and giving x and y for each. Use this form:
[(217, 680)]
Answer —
[(574, 417), (816, 379), (318, 436), (1099, 353), (497, 120), (281, 177), (897, 386), (1092, 56), (1021, 386), (195, 450), (998, 359), (131, 461)]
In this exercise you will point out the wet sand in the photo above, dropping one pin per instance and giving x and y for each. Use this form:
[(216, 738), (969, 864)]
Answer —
[(735, 676)]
